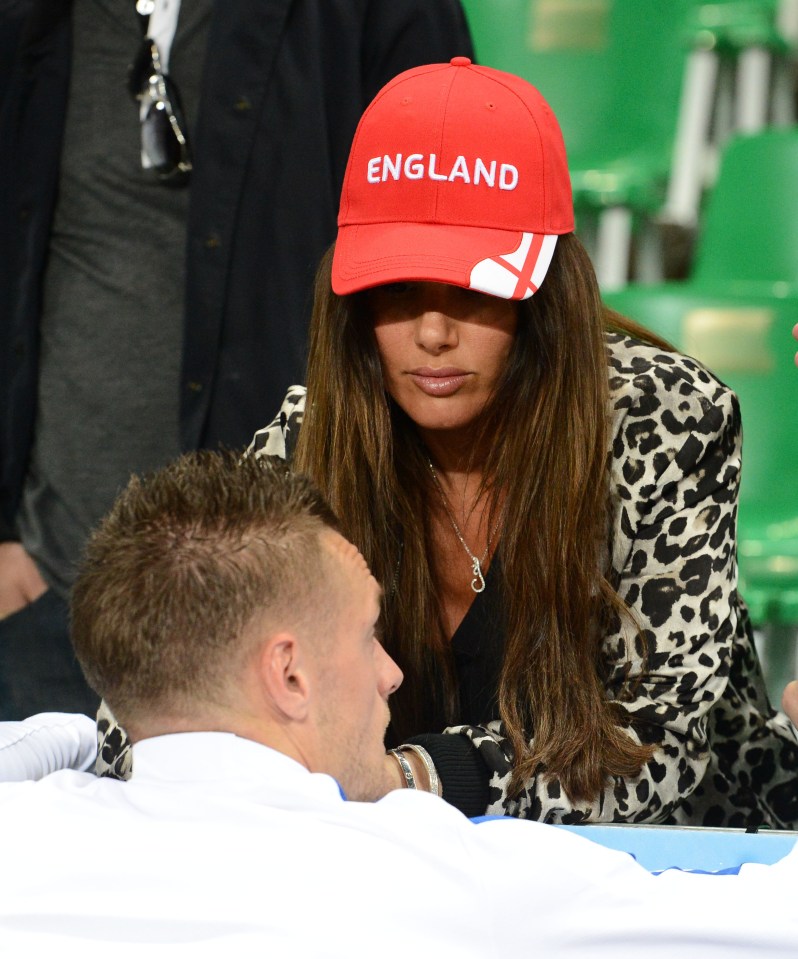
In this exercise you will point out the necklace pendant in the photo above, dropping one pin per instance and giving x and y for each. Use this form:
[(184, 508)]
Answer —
[(478, 582)]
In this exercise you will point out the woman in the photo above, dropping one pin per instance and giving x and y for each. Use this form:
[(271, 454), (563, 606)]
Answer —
[(581, 642), (547, 493)]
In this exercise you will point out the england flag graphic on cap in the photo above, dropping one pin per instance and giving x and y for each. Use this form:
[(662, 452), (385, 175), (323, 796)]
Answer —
[(516, 275)]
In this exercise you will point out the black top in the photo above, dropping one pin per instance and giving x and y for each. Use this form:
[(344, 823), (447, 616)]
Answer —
[(477, 648)]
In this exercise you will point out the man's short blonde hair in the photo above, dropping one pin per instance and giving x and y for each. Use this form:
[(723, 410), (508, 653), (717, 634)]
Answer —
[(187, 559)]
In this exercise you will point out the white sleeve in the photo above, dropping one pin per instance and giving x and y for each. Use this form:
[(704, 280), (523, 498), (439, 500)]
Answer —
[(44, 743)]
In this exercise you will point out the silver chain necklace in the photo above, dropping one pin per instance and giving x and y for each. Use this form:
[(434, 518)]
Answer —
[(478, 582)]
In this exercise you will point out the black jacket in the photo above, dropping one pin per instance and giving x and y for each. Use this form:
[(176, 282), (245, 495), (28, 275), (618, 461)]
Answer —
[(284, 85)]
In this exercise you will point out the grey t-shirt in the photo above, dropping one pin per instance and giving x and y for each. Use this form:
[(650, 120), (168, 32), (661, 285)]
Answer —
[(111, 333)]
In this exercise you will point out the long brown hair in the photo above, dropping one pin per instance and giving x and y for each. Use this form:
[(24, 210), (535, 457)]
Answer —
[(548, 467)]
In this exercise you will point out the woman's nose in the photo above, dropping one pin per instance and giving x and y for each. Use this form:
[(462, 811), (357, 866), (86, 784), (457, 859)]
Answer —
[(436, 331)]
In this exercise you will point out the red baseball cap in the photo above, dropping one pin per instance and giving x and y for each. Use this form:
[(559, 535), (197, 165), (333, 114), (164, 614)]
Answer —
[(457, 174)]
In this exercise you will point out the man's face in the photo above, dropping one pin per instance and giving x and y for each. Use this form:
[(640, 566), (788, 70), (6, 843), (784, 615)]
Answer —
[(354, 679)]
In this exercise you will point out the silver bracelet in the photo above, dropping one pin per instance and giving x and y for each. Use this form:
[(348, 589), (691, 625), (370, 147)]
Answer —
[(429, 765), (404, 765)]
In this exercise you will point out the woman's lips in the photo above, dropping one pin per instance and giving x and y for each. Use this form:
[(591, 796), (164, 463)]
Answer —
[(443, 382)]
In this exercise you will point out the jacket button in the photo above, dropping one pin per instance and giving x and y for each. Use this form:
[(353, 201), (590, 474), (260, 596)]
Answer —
[(242, 104), (212, 241), (194, 387)]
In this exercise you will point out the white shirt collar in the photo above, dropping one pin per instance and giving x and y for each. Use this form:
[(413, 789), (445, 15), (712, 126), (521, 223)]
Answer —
[(212, 757)]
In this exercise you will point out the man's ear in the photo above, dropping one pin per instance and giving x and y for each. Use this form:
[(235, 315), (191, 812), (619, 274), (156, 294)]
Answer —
[(283, 675)]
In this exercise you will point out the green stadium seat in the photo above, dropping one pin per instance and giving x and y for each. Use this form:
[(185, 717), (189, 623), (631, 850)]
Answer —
[(612, 71), (738, 78), (749, 231)]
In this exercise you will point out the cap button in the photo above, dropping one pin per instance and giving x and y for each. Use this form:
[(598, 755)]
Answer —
[(460, 62)]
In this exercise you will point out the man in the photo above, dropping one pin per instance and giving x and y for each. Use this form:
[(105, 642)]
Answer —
[(234, 633), (142, 316)]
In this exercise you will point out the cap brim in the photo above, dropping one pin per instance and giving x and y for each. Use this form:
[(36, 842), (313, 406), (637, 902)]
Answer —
[(504, 263)]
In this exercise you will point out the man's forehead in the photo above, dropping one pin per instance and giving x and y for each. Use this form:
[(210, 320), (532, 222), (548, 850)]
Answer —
[(345, 551), (348, 559)]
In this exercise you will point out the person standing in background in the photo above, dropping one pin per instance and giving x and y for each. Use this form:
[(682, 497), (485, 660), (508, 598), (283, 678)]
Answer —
[(146, 313)]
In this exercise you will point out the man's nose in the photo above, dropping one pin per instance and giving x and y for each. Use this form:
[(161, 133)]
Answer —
[(390, 675)]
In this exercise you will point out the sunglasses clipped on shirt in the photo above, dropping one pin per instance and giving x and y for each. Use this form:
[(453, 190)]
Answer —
[(164, 134)]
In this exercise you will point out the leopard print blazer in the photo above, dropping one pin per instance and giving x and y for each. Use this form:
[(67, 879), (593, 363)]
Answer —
[(723, 756)]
